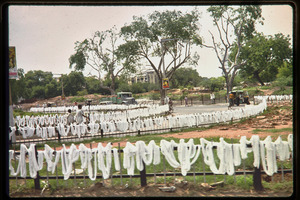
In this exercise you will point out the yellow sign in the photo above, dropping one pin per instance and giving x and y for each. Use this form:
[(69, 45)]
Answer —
[(12, 63), (165, 83)]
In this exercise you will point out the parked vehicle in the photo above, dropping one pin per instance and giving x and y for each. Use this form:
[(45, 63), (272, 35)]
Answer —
[(238, 97), (120, 98)]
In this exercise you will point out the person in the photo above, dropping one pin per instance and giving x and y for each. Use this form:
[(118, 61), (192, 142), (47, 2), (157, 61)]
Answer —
[(70, 118), (186, 101), (79, 115), (166, 100), (170, 105), (231, 98), (212, 97)]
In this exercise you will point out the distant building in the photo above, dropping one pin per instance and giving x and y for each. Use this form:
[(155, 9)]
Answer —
[(146, 76)]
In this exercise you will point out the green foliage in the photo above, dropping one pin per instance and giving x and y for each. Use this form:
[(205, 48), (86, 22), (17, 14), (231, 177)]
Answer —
[(283, 91), (137, 88), (214, 83), (82, 92), (155, 96), (77, 99), (286, 70), (73, 82), (185, 77), (144, 36), (264, 56), (254, 92)]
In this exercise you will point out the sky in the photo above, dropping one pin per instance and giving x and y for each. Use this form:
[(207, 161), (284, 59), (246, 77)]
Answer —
[(45, 36)]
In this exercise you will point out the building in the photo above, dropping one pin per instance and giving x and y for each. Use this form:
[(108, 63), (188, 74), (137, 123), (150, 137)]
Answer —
[(146, 76)]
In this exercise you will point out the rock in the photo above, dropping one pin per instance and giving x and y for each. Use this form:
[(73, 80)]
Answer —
[(261, 117), (206, 186), (168, 189), (220, 183)]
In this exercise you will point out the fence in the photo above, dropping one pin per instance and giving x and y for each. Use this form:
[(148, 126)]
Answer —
[(158, 168), (151, 125)]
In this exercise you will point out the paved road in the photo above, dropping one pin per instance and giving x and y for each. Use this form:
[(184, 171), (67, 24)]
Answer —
[(183, 110)]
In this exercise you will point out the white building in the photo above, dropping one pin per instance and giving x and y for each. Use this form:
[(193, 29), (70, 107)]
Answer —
[(146, 76)]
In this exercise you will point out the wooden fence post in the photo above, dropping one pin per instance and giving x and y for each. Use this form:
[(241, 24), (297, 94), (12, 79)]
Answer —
[(143, 176), (37, 185), (257, 177), (58, 135), (101, 133)]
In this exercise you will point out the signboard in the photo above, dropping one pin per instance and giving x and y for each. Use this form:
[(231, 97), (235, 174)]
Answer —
[(165, 83), (12, 63)]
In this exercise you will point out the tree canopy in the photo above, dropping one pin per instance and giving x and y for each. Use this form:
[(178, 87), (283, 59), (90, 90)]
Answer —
[(240, 23), (264, 55), (166, 36)]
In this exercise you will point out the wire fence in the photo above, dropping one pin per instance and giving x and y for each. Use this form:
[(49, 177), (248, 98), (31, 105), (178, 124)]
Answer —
[(199, 171)]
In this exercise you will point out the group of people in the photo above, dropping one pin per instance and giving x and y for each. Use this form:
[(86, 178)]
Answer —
[(78, 118)]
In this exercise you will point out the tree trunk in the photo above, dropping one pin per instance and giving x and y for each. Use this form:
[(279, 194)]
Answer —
[(256, 75), (162, 95)]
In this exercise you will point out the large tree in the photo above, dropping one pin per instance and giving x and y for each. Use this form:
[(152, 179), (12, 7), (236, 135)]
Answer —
[(73, 82), (235, 25), (264, 55), (100, 53), (163, 40), (185, 77)]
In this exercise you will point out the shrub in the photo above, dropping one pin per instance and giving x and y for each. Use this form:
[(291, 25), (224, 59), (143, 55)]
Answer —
[(82, 92), (155, 96), (77, 99)]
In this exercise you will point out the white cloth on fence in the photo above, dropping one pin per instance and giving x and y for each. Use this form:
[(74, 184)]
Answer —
[(229, 156), (86, 156), (48, 154), (128, 158), (269, 160), (68, 157), (104, 159)]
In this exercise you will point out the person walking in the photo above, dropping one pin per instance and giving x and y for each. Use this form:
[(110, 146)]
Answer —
[(212, 97), (79, 115), (186, 100), (231, 99), (70, 118)]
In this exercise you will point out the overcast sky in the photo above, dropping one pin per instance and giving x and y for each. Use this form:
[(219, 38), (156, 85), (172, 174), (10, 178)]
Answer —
[(44, 36)]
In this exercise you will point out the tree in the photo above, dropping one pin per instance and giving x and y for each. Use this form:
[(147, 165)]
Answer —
[(214, 83), (185, 77), (240, 22), (100, 53), (264, 56), (18, 87), (73, 82), (163, 36)]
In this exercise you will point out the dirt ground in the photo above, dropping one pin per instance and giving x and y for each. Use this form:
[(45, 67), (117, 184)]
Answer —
[(279, 119)]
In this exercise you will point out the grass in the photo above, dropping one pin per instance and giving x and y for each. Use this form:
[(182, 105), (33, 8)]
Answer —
[(256, 131)]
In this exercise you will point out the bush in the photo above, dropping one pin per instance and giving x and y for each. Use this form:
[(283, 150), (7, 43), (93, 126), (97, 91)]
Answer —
[(155, 96), (283, 81), (77, 99), (283, 91), (82, 92), (255, 92)]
